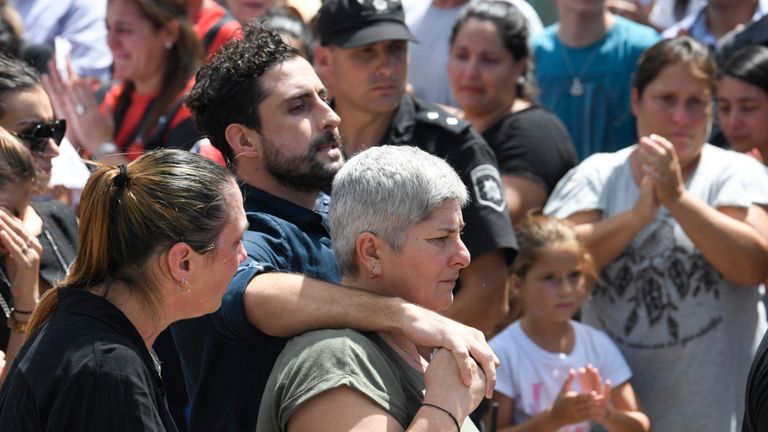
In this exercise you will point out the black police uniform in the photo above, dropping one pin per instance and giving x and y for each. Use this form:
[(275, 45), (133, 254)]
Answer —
[(428, 127)]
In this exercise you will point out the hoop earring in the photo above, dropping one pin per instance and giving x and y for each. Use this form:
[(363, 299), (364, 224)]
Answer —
[(184, 286)]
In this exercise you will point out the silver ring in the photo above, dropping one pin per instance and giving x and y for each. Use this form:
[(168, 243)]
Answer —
[(80, 109)]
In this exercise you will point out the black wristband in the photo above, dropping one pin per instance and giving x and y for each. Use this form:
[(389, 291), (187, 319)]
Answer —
[(456, 422)]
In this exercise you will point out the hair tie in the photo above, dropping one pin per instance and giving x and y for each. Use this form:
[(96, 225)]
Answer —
[(122, 178)]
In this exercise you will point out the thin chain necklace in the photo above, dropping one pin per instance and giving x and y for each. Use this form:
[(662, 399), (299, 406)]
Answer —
[(577, 87), (56, 251), (417, 359)]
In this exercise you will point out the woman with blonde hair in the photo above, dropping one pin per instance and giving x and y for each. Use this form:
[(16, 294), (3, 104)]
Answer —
[(20, 251)]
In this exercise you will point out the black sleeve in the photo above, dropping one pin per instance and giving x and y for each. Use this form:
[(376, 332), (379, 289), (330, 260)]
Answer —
[(486, 218), (534, 144), (756, 405)]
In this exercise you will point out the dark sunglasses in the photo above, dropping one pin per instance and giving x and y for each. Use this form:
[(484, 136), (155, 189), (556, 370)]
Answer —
[(38, 135)]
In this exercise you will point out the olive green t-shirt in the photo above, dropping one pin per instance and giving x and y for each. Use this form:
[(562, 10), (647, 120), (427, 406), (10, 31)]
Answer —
[(326, 359)]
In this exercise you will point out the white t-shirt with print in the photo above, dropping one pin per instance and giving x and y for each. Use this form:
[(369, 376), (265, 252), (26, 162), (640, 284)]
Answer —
[(533, 376)]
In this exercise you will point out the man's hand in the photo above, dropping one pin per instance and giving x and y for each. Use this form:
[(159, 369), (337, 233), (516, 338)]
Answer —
[(430, 329)]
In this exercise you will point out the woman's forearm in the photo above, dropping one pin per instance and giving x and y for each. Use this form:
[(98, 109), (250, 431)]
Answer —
[(732, 240)]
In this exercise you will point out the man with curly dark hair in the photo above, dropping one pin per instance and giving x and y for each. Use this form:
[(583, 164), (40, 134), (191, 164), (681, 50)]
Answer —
[(264, 109)]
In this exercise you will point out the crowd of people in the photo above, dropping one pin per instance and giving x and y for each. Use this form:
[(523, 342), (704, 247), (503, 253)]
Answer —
[(364, 215)]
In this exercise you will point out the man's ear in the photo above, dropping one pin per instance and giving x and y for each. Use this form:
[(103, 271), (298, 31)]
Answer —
[(243, 140), (515, 285), (322, 65)]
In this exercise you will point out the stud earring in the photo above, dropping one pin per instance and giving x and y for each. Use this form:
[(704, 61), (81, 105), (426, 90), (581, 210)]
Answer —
[(168, 45)]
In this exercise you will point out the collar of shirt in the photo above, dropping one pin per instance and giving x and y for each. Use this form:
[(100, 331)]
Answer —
[(403, 123), (81, 302), (259, 201)]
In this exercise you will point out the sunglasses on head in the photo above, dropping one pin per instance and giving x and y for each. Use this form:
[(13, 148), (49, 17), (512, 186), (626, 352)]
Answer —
[(38, 134)]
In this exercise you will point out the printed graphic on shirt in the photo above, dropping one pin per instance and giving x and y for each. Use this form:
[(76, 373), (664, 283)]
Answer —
[(488, 189), (664, 290)]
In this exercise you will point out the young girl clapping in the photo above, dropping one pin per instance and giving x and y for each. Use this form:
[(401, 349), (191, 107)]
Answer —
[(557, 374)]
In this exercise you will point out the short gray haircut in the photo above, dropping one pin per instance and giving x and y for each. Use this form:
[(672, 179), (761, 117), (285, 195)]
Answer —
[(386, 190)]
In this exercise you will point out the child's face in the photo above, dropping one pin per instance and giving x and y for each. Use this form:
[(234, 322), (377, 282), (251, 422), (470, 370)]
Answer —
[(555, 286)]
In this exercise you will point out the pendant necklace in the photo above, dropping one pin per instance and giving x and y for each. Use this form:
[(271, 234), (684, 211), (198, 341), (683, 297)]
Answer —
[(576, 88)]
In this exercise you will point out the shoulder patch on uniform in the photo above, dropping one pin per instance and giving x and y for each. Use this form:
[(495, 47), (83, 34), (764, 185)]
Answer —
[(486, 182)]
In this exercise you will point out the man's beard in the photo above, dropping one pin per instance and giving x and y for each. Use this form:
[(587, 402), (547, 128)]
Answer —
[(303, 173)]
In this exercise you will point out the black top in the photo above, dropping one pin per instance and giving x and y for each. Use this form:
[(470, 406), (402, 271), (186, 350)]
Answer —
[(226, 360), (86, 369), (756, 405), (428, 127), (532, 143), (60, 249)]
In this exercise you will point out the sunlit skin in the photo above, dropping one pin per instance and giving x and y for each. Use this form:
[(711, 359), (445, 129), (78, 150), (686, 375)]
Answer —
[(138, 47), (296, 111), (425, 271), (742, 111), (585, 7), (677, 105), (247, 10), (24, 109), (211, 282), (370, 78), (14, 197), (483, 73), (553, 289)]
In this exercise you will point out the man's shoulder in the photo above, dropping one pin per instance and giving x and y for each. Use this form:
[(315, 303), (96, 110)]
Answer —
[(633, 34), (430, 115)]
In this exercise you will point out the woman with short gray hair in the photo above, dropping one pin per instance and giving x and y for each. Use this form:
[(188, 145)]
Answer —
[(396, 223)]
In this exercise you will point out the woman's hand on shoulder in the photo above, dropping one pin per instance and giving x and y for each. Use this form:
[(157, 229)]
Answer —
[(446, 389)]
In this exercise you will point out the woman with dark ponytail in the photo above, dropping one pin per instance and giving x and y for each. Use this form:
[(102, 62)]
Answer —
[(160, 239)]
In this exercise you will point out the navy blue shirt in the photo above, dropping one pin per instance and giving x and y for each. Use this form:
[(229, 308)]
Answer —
[(226, 360), (86, 369)]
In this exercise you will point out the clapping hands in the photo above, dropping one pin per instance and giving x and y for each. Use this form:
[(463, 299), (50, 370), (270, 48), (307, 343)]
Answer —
[(592, 402), (73, 99)]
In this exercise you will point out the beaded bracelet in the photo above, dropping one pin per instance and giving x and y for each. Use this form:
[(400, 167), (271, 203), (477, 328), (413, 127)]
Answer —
[(456, 422)]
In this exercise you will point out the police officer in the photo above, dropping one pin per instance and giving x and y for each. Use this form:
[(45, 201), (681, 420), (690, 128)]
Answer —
[(363, 59)]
